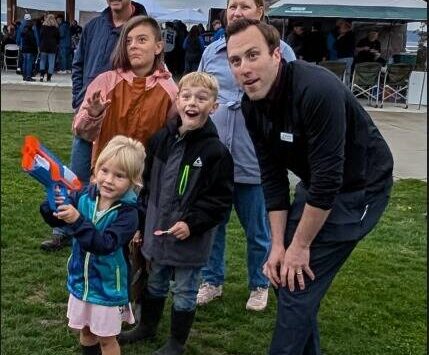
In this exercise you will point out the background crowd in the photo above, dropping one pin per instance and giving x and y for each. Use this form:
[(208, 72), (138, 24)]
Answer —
[(46, 45)]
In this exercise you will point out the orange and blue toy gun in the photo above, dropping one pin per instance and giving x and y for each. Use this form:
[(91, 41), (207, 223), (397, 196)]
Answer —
[(46, 168)]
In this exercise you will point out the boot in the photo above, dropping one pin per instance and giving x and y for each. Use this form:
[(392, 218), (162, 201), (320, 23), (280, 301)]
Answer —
[(49, 76), (91, 350), (57, 242), (181, 323), (150, 315)]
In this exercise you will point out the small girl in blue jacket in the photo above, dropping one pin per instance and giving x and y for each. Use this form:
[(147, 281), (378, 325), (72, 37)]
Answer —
[(102, 219)]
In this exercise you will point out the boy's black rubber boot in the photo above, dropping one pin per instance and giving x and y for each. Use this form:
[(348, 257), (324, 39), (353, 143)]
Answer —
[(181, 324), (150, 315), (91, 350)]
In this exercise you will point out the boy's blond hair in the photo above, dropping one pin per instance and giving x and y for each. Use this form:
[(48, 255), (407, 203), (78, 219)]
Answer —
[(205, 80), (128, 153)]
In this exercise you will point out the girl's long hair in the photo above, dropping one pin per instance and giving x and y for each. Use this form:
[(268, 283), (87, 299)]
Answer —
[(120, 58)]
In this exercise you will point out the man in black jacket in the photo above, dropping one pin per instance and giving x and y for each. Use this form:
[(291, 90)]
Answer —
[(302, 118)]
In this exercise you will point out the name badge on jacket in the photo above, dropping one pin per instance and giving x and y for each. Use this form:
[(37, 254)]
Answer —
[(286, 137)]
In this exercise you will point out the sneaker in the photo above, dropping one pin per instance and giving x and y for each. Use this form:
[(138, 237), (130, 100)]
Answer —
[(208, 293), (68, 71), (57, 242), (61, 72), (258, 299)]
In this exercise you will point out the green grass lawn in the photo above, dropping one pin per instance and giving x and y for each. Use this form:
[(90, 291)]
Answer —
[(376, 305)]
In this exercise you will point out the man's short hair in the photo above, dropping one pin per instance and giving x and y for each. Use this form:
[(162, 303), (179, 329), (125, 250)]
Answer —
[(205, 80), (270, 33)]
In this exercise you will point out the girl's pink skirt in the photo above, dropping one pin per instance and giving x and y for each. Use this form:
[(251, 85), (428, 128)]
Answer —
[(103, 321)]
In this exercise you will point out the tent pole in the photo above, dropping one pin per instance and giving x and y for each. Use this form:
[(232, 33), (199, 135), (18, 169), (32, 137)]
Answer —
[(70, 10), (283, 28), (388, 42), (423, 86), (11, 6)]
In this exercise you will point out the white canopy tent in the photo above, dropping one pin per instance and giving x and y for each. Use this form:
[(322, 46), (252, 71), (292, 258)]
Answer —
[(187, 16), (152, 7), (391, 10)]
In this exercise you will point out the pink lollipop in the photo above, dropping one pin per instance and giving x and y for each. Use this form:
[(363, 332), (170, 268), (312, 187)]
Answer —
[(160, 232)]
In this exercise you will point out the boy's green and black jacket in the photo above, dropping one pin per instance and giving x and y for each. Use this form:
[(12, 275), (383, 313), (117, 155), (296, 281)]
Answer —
[(98, 266), (189, 179)]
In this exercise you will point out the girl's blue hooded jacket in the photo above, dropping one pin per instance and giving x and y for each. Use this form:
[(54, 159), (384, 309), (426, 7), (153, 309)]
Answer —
[(98, 267)]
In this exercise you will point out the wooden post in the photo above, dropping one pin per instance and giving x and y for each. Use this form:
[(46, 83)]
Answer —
[(70, 9), (11, 8)]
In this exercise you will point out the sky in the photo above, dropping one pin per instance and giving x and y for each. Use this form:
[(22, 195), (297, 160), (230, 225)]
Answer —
[(204, 5)]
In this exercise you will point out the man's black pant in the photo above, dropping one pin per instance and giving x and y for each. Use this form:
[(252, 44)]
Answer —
[(296, 330)]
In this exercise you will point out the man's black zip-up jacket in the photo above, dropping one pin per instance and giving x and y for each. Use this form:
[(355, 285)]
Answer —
[(312, 125), (189, 179)]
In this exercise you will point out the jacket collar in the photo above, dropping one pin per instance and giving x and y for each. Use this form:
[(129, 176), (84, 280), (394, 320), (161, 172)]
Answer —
[(276, 89), (206, 131), (220, 44), (151, 80), (130, 197)]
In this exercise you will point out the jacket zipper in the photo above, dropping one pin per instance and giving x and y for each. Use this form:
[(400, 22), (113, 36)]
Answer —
[(95, 220), (184, 180), (118, 279)]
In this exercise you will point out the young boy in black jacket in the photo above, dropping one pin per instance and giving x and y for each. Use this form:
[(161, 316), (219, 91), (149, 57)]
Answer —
[(187, 191)]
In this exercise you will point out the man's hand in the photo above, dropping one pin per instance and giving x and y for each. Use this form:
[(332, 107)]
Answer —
[(67, 213), (272, 266), (96, 104), (295, 262), (180, 230)]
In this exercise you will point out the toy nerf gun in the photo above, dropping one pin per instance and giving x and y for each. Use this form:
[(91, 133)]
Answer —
[(47, 169)]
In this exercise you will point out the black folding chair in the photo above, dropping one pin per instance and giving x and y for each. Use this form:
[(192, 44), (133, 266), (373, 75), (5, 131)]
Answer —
[(396, 82), (366, 81), (10, 56), (338, 68)]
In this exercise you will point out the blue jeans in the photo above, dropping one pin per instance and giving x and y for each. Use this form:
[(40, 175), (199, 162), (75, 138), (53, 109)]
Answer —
[(250, 207), (65, 58), (27, 65), (47, 58), (80, 165), (81, 159), (184, 286)]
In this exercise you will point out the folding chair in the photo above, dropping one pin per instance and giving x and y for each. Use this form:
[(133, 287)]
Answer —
[(366, 81), (338, 68), (11, 52), (396, 82)]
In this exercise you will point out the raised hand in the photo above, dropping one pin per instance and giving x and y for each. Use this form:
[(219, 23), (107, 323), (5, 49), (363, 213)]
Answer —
[(96, 104)]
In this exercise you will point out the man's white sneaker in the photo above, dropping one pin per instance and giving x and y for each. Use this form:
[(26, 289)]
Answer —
[(208, 293), (258, 299)]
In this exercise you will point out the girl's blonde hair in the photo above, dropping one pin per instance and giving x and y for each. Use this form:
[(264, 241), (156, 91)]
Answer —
[(128, 153), (50, 21), (203, 79)]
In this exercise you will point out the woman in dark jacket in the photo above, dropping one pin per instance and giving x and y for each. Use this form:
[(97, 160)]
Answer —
[(49, 39), (194, 48), (29, 50)]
